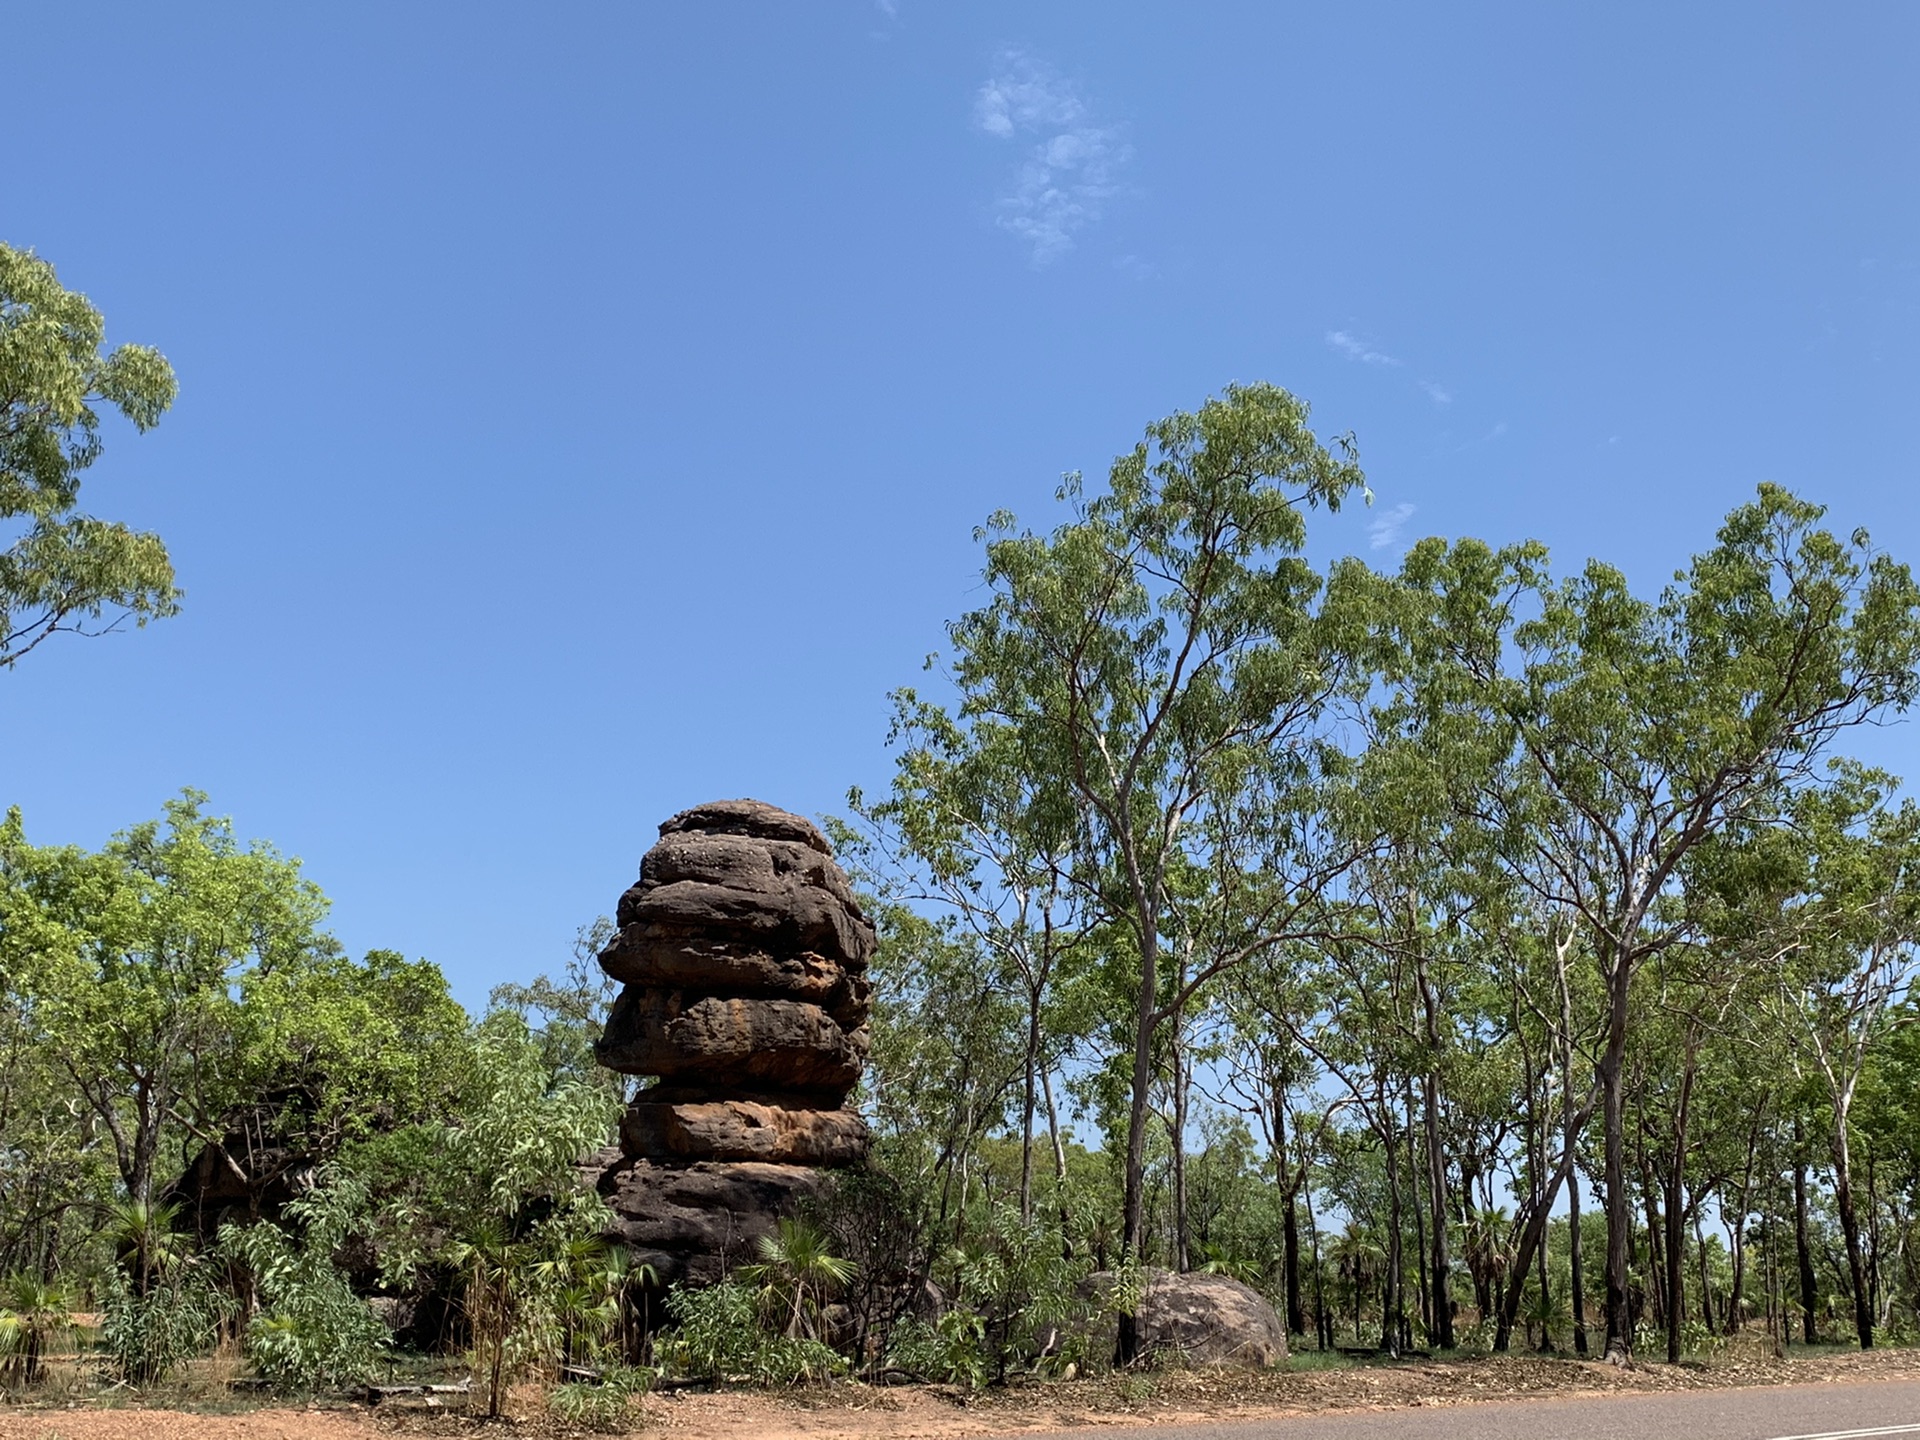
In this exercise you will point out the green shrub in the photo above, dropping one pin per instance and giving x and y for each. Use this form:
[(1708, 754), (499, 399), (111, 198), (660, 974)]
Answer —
[(718, 1335), (794, 1359), (147, 1337), (948, 1352), (1026, 1297), (315, 1331), (603, 1407), (716, 1331)]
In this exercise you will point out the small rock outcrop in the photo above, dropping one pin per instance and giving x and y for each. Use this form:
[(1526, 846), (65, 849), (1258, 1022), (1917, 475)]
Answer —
[(1200, 1319), (743, 957)]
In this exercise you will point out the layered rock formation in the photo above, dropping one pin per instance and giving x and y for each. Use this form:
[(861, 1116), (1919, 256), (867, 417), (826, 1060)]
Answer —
[(743, 955)]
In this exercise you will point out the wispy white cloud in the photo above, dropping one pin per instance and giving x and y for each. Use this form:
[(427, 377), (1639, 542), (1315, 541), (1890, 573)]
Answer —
[(1439, 394), (1355, 348), (1386, 527), (1134, 268), (1072, 166)]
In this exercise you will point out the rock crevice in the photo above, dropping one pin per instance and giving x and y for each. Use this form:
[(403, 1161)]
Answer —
[(743, 957)]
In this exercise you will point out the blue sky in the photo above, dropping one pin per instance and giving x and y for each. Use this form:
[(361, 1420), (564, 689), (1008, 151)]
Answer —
[(585, 410)]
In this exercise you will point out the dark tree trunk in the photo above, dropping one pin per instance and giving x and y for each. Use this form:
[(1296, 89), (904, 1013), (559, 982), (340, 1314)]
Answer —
[(1533, 1234), (1029, 1103), (1676, 1219), (1391, 1301), (1579, 1293), (1133, 1211), (1437, 1261), (1873, 1239), (1700, 1260), (1619, 1207), (1570, 1139), (1290, 1215), (1809, 1286), (1419, 1220), (1856, 1261), (1322, 1321), (1182, 1239), (1656, 1248)]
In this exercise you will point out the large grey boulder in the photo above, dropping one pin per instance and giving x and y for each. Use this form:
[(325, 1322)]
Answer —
[(1196, 1319)]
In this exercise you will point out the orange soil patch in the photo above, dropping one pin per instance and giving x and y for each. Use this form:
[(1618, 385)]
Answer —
[(856, 1412)]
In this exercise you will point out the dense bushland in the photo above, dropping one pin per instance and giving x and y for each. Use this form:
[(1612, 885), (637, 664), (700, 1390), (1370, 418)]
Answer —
[(1473, 955)]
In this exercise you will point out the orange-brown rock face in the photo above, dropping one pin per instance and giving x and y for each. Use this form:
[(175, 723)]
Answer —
[(743, 955)]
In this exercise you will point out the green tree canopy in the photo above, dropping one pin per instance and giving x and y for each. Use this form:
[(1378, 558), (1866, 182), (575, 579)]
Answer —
[(61, 569)]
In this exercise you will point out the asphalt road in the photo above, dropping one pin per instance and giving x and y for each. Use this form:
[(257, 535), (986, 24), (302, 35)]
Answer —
[(1865, 1411)]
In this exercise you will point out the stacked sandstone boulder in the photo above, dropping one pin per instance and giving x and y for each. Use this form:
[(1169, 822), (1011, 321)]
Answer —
[(743, 955)]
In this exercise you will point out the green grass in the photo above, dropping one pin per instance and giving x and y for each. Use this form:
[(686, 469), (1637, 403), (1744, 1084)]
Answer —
[(1304, 1360)]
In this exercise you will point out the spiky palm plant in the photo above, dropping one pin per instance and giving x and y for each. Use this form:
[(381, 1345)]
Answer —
[(144, 1240), (36, 1314), (797, 1272)]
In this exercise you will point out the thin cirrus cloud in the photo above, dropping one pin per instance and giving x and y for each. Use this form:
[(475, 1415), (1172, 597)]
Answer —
[(1355, 348), (1386, 528), (1072, 166)]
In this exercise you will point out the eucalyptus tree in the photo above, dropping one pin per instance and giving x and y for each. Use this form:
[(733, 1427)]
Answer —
[(1497, 1014), (945, 1061), (971, 826), (1265, 1068), (1636, 730), (1694, 1074), (64, 570), (1360, 1029), (1848, 928), (1163, 655)]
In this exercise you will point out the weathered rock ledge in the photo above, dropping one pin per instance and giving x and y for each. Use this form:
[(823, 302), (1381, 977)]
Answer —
[(743, 956)]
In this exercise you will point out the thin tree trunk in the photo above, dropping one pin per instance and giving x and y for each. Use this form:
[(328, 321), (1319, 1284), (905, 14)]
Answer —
[(1419, 1220), (1059, 1164), (1675, 1240), (1290, 1228), (1614, 1122), (1134, 1198), (1736, 1227), (1182, 1242), (1737, 1297), (1390, 1296), (1575, 1273), (1534, 1233), (1536, 1180), (1661, 1294), (1323, 1323), (1437, 1261), (1677, 1206), (1700, 1260), (1873, 1235), (1809, 1290), (1570, 1139), (1028, 1104)]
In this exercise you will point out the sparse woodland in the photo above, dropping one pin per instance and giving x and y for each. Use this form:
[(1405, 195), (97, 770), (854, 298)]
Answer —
[(1489, 953)]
